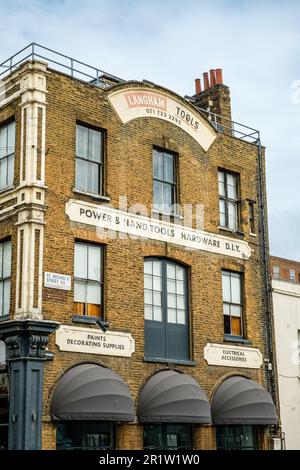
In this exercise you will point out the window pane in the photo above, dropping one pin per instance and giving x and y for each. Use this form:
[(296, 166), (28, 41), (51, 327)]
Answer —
[(157, 298), (171, 286), (10, 170), (148, 312), (180, 287), (79, 291), (3, 172), (169, 168), (11, 137), (94, 145), (157, 268), (158, 195), (3, 141), (157, 283), (1, 297), (171, 301), (93, 293), (82, 141), (226, 287), (148, 267), (226, 309), (236, 326), (148, 297), (6, 259), (6, 297), (157, 314), (221, 183), (222, 213), (181, 317), (179, 273), (231, 186), (92, 177), (232, 215), (227, 329), (180, 301), (80, 262), (236, 310), (236, 289), (157, 165), (148, 281), (172, 315), (1, 258), (171, 271), (81, 175), (94, 262), (168, 196)]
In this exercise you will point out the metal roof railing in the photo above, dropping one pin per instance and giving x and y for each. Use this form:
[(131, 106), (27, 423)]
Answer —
[(97, 77)]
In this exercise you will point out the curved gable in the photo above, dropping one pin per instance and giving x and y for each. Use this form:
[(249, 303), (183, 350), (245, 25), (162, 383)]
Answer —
[(137, 100)]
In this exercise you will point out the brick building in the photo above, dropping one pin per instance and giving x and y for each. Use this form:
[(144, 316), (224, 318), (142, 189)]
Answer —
[(134, 248), (286, 308)]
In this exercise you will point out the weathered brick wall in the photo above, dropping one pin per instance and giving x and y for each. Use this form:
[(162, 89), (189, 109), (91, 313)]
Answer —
[(128, 171), (285, 265)]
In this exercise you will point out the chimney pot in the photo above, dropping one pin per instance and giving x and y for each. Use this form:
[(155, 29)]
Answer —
[(212, 74), (219, 76), (198, 86), (205, 80)]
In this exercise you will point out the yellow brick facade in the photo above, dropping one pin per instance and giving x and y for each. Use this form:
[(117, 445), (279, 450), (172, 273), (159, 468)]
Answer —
[(128, 171)]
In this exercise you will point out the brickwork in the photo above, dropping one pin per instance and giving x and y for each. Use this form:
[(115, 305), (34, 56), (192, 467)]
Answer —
[(285, 266), (128, 171)]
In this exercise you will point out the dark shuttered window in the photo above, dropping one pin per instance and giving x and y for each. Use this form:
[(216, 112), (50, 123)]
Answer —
[(166, 310)]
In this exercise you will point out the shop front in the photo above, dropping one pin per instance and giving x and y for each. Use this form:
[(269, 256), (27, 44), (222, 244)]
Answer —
[(170, 405), (241, 410), (88, 402)]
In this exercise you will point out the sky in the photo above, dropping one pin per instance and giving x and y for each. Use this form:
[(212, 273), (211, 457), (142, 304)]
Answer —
[(171, 42)]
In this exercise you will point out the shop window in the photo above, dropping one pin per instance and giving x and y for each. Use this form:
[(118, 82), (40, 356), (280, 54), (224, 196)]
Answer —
[(242, 437), (228, 200), (232, 303), (164, 181), (166, 310), (5, 273), (7, 154), (88, 436), (88, 279), (167, 437), (89, 160)]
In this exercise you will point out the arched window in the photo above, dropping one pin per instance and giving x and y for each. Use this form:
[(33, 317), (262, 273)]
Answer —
[(166, 310)]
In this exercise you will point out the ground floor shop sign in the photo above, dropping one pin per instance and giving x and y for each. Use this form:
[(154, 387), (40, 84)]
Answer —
[(232, 356), (90, 340)]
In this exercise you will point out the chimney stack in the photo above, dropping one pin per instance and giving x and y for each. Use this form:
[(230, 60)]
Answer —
[(215, 96)]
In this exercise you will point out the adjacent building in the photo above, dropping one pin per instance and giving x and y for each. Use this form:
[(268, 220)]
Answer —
[(286, 305), (135, 307)]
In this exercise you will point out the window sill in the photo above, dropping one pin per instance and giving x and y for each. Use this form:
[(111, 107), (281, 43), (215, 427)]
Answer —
[(86, 319), (167, 214), (170, 361), (4, 318), (7, 189), (236, 339), (98, 197), (253, 234), (234, 232)]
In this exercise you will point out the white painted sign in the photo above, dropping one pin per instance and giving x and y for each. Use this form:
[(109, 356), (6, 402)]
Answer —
[(138, 102), (232, 356), (140, 226), (92, 341), (57, 281)]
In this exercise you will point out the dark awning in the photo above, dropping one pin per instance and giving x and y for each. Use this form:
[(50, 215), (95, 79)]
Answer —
[(92, 392), (242, 401), (169, 397)]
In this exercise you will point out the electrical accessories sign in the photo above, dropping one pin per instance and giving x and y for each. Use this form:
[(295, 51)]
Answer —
[(114, 222), (232, 356), (137, 102)]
